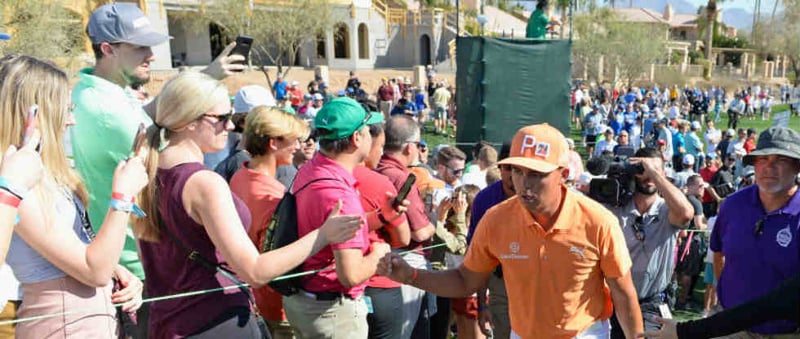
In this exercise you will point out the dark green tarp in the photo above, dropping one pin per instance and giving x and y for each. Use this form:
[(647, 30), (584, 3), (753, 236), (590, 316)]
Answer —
[(505, 84)]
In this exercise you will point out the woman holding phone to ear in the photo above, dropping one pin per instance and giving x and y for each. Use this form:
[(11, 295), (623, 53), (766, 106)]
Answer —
[(62, 265)]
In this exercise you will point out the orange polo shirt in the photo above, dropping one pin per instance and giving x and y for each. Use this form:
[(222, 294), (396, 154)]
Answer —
[(555, 280)]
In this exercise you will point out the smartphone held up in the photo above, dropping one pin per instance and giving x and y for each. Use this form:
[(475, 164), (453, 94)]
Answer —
[(243, 45)]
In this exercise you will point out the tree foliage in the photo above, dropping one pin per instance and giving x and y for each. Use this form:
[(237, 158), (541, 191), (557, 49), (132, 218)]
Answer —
[(44, 29), (279, 29), (631, 48), (782, 36)]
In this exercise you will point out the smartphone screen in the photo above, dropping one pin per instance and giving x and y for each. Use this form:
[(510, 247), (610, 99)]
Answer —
[(30, 124), (403, 193), (243, 45)]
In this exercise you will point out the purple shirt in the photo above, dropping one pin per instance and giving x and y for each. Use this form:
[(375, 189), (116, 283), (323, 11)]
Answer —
[(169, 269), (486, 199), (314, 204), (755, 264)]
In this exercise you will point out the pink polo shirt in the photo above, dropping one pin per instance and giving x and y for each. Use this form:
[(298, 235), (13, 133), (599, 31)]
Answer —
[(314, 204)]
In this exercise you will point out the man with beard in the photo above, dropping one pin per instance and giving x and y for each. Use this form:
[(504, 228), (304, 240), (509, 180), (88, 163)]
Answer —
[(650, 223), (107, 113)]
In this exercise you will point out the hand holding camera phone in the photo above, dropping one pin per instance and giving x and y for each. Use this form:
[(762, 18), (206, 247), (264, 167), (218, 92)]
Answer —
[(404, 190), (243, 45)]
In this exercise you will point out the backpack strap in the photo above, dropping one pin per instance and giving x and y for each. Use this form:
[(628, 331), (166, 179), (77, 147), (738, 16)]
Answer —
[(308, 183), (207, 264)]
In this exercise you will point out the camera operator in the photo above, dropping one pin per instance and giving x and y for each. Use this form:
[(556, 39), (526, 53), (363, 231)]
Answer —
[(650, 222)]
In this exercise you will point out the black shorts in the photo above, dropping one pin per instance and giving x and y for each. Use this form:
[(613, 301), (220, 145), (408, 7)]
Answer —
[(692, 264), (591, 139)]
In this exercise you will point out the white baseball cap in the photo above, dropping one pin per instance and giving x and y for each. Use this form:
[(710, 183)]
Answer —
[(252, 96), (688, 159)]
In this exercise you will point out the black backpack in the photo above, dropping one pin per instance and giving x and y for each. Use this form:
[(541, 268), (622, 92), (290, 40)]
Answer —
[(282, 231)]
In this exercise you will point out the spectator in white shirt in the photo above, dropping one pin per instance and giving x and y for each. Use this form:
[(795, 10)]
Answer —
[(712, 136), (606, 144)]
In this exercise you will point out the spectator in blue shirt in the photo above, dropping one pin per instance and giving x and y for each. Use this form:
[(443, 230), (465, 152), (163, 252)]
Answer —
[(679, 144), (279, 87)]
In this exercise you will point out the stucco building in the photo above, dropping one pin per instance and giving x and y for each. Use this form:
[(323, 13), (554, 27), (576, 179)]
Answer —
[(365, 34)]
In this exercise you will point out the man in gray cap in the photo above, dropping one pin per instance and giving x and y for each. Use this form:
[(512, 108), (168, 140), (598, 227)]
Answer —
[(108, 115), (755, 239)]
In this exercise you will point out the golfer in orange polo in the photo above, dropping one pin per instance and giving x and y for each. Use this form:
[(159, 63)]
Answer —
[(564, 257)]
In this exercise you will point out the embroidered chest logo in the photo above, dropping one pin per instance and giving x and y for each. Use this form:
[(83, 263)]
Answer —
[(514, 248), (784, 237)]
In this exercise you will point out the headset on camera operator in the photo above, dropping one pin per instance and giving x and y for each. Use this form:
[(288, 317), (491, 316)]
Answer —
[(651, 211)]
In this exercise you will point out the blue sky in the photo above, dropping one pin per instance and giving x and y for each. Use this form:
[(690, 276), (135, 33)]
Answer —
[(766, 5)]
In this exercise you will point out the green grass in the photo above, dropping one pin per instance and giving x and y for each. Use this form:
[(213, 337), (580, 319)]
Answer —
[(433, 139), (794, 122)]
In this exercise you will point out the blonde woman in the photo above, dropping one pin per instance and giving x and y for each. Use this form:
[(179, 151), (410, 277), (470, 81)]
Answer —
[(61, 264), (193, 209), (271, 136)]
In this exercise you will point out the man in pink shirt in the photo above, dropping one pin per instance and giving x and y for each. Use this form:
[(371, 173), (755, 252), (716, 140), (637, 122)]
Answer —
[(331, 304)]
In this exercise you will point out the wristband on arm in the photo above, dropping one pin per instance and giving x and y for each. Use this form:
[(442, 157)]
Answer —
[(8, 187), (394, 222), (10, 200), (125, 203)]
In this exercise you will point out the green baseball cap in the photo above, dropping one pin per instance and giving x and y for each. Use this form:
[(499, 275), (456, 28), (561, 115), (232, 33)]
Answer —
[(341, 117), (289, 109)]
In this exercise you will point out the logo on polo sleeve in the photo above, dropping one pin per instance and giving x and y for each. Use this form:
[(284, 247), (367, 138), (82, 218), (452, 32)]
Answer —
[(784, 237)]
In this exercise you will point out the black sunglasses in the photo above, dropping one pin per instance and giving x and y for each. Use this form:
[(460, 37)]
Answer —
[(223, 118), (638, 228), (455, 171)]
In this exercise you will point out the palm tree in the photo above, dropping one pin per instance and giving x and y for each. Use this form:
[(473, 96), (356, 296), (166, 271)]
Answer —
[(774, 9), (711, 15), (563, 6)]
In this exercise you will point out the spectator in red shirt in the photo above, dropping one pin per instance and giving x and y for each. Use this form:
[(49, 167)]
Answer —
[(750, 143), (385, 294), (295, 95), (401, 151), (707, 172), (385, 97)]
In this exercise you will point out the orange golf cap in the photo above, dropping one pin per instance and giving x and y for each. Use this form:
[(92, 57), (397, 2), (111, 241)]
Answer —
[(541, 148)]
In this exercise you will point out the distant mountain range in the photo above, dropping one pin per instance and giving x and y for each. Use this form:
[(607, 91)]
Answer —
[(736, 17)]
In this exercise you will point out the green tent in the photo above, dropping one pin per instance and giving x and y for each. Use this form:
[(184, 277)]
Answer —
[(505, 84)]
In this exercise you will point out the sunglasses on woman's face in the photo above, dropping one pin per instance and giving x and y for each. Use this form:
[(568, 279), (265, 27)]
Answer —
[(223, 118)]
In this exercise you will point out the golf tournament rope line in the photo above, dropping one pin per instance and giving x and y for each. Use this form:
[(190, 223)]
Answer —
[(178, 295)]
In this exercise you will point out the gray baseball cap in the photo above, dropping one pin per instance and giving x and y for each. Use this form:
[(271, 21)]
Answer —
[(776, 141), (123, 22)]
